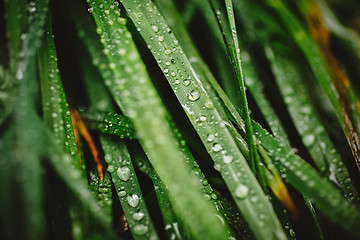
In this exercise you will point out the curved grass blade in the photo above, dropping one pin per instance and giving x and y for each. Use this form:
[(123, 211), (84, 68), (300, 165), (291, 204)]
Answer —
[(320, 191), (196, 102), (110, 123), (133, 88)]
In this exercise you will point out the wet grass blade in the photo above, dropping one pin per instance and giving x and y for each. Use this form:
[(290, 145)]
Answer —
[(320, 69), (25, 195), (303, 114), (140, 99), (196, 103), (128, 188), (110, 123)]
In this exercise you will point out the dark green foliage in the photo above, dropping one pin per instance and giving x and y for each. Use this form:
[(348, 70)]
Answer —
[(197, 139)]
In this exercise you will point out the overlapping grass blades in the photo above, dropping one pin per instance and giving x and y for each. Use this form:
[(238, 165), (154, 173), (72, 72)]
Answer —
[(133, 69), (201, 112), (301, 173), (140, 102)]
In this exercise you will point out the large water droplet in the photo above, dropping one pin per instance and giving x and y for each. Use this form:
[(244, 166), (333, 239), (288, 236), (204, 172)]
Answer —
[(241, 191), (216, 147), (133, 200), (155, 28), (140, 229), (138, 216), (124, 173), (227, 159), (211, 137), (121, 193), (309, 139), (194, 95)]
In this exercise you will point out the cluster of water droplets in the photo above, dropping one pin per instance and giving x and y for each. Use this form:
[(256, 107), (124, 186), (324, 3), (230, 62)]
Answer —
[(121, 169)]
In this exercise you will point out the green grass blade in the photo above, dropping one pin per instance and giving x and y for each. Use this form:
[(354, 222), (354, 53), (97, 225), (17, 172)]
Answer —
[(128, 188), (171, 220), (196, 103), (235, 52), (320, 191), (122, 172), (110, 123), (140, 99), (16, 23), (318, 143), (320, 70), (26, 199), (55, 107)]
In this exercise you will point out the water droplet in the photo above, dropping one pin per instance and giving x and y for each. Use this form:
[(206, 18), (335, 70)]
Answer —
[(202, 118), (309, 139), (214, 196), (140, 229), (209, 104), (155, 28), (241, 191), (110, 168), (211, 137), (227, 159), (292, 233), (99, 30), (194, 95), (19, 75), (124, 173), (121, 20), (217, 167), (133, 200), (161, 38), (186, 82), (121, 193), (216, 147), (138, 216)]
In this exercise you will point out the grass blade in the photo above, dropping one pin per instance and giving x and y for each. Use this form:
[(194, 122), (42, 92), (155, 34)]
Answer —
[(196, 103), (152, 127)]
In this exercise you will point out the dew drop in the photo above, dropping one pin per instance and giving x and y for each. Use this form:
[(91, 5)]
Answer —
[(99, 30), (124, 173), (309, 139), (209, 104), (110, 168), (217, 167), (216, 147), (140, 229), (138, 216), (214, 196), (121, 193), (161, 38), (133, 200), (194, 95), (227, 159), (211, 137), (155, 28), (241, 191), (186, 82), (202, 118)]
